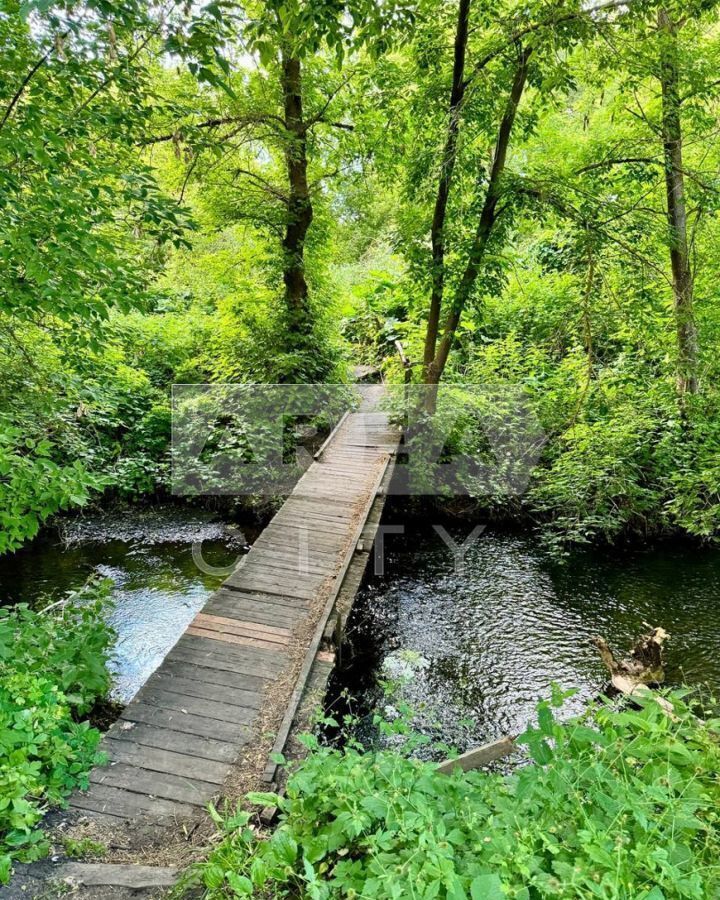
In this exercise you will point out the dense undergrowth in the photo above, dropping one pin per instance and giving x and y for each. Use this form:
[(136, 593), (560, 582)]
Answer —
[(621, 804), (53, 669)]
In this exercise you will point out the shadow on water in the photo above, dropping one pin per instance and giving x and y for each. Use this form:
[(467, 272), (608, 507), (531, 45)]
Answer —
[(158, 588), (487, 643)]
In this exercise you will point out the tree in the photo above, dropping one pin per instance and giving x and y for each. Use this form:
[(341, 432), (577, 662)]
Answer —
[(661, 64), (672, 142), (286, 96), (510, 49)]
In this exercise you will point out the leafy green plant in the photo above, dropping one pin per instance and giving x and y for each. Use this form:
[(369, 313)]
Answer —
[(617, 804), (53, 667), (34, 485), (77, 849), (70, 645)]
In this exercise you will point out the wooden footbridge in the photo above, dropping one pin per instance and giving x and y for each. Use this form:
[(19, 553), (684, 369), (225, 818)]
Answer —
[(242, 665)]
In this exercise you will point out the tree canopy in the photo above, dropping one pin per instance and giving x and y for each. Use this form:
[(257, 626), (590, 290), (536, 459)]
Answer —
[(523, 193)]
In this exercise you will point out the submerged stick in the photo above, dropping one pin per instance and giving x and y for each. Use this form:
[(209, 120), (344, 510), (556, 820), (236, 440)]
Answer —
[(480, 756)]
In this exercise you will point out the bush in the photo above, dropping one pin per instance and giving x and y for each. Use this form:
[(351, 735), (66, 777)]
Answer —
[(34, 485), (53, 668), (619, 803)]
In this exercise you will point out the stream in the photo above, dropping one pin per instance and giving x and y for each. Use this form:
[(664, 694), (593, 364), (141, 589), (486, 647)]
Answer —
[(476, 650), (147, 554)]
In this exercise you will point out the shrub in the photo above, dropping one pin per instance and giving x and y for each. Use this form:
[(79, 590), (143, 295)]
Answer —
[(53, 668), (619, 803)]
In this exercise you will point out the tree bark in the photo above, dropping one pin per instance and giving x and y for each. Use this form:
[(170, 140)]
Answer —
[(300, 210), (687, 348), (437, 232), (486, 223)]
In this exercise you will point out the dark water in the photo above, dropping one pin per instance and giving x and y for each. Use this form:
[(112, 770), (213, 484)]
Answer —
[(147, 554), (486, 644)]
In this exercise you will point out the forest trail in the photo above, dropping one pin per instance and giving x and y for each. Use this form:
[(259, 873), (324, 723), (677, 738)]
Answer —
[(238, 671)]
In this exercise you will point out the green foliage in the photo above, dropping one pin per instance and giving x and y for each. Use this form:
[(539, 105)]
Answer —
[(33, 486), (53, 668), (83, 848), (75, 101), (69, 647), (617, 804)]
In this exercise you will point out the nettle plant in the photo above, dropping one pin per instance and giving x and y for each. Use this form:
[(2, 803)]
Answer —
[(618, 803), (53, 668)]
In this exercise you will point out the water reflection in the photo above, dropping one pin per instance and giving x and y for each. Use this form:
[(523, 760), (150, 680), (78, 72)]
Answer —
[(496, 637), (157, 591)]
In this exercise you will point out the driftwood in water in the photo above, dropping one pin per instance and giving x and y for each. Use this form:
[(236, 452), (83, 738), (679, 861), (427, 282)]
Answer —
[(643, 667), (629, 676), (480, 756), (645, 664)]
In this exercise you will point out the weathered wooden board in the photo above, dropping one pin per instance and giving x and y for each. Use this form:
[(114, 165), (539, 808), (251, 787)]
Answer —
[(173, 746), (132, 876), (165, 738)]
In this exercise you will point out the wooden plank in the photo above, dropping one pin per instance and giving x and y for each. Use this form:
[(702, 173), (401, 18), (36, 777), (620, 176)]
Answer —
[(330, 499), (199, 656), (113, 801), (282, 634), (227, 637), (480, 756), (156, 694), (257, 584), (265, 662), (298, 586), (294, 562), (168, 761), (231, 732), (250, 639), (289, 534), (327, 480), (322, 528), (208, 690), (130, 875), (191, 792), (319, 556), (337, 512), (246, 609), (200, 675), (280, 603), (257, 570), (180, 741)]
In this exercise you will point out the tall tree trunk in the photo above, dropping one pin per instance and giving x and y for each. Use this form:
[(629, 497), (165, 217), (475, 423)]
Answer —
[(687, 349), (437, 233), (300, 211), (486, 223)]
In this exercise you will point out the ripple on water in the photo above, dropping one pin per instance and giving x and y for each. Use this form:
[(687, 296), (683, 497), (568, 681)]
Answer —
[(499, 634)]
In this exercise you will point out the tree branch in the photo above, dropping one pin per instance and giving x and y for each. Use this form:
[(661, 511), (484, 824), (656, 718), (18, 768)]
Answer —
[(25, 82), (608, 163), (552, 22), (266, 185), (215, 123)]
